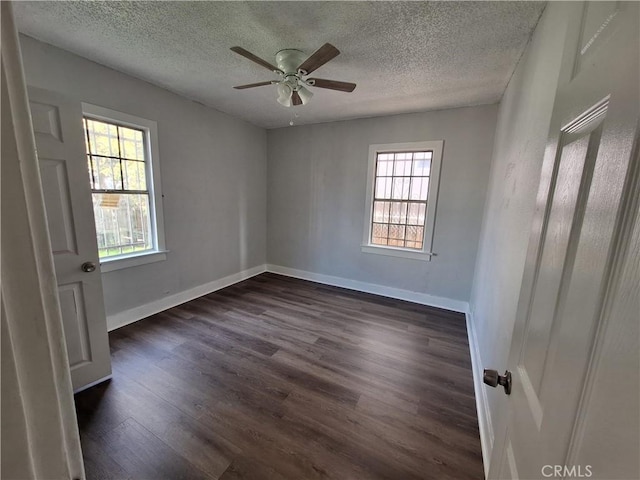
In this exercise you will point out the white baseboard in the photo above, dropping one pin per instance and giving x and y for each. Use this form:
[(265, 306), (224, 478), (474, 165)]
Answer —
[(400, 294), (482, 403), (143, 311)]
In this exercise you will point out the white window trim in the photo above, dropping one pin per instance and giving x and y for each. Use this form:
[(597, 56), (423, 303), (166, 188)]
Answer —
[(152, 151), (426, 252)]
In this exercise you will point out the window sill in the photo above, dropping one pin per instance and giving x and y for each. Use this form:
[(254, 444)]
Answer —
[(126, 261), (398, 252)]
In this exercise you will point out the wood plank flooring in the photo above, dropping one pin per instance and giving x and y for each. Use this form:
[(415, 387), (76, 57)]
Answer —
[(278, 378)]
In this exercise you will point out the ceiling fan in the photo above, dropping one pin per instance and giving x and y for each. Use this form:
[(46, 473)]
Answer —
[(291, 69)]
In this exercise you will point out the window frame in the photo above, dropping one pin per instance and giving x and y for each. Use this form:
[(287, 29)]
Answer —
[(154, 186), (424, 254)]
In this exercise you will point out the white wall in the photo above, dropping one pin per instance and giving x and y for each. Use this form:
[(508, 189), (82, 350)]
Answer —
[(317, 180), (213, 169), (523, 124)]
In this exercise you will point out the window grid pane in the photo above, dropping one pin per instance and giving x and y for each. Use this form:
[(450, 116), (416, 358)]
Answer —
[(400, 199), (116, 161), (122, 223)]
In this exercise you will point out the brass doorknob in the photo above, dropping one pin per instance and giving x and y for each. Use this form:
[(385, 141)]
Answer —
[(88, 267), (493, 379)]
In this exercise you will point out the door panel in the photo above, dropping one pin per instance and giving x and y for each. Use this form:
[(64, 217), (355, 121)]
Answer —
[(605, 410), (59, 213), (584, 189), (599, 21), (57, 123), (555, 243), (46, 120), (76, 329)]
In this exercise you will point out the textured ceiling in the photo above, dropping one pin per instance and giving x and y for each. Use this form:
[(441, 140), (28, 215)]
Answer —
[(404, 56)]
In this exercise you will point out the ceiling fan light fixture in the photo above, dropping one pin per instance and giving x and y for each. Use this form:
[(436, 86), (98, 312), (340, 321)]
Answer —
[(284, 94), (305, 94), (284, 101)]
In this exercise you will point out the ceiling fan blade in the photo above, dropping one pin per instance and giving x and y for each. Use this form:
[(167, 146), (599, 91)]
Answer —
[(253, 58), (319, 58), (332, 84), (295, 98), (251, 85)]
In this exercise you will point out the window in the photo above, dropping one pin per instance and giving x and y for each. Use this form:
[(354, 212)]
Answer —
[(122, 161), (401, 199)]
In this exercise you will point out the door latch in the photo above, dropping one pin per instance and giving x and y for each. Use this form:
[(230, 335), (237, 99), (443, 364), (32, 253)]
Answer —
[(88, 267), (493, 379)]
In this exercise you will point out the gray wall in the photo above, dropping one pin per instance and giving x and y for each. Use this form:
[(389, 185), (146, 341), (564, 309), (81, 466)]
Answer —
[(523, 124), (213, 169), (317, 180)]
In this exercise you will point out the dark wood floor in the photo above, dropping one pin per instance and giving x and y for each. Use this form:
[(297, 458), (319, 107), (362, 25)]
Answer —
[(278, 378)]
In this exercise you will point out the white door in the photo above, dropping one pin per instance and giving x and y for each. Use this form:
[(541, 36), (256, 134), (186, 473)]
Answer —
[(57, 124), (561, 349)]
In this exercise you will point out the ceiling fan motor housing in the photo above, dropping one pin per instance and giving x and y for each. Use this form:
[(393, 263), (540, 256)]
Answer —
[(289, 60)]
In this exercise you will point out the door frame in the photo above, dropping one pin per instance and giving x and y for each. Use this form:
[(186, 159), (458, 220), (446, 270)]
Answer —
[(40, 367)]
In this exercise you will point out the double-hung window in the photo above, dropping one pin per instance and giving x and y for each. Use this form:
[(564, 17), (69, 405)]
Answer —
[(402, 192), (122, 160)]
